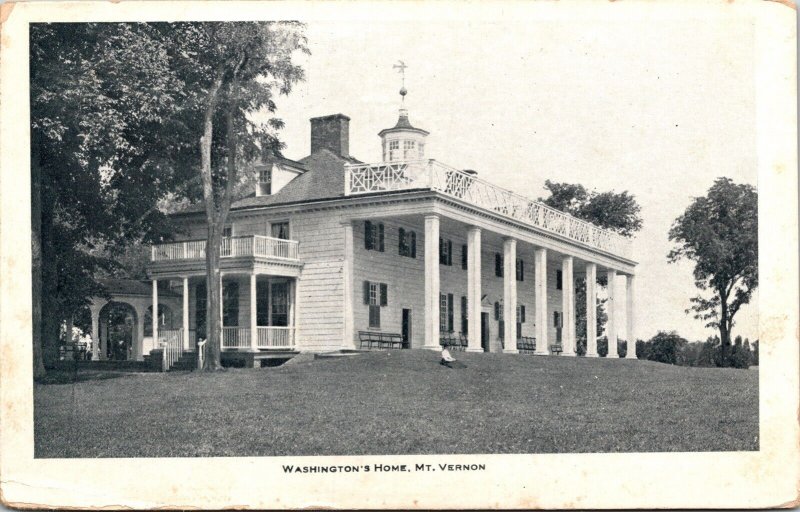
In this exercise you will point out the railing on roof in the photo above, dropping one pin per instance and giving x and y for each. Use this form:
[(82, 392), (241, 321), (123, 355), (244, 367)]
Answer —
[(264, 246), (430, 174)]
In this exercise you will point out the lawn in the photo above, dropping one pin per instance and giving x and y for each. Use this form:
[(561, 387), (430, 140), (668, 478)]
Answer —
[(402, 402)]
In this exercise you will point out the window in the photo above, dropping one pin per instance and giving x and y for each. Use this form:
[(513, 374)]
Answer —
[(280, 230), (376, 295), (264, 182), (373, 236), (394, 150), (280, 304), (408, 149), (445, 252), (520, 319), (446, 312), (520, 270), (200, 298), (464, 257), (464, 315), (407, 243), (230, 304), (498, 264), (421, 147), (559, 280), (227, 232)]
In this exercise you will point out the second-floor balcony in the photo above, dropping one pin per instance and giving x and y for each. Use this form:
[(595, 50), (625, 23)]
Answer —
[(238, 252), (433, 175)]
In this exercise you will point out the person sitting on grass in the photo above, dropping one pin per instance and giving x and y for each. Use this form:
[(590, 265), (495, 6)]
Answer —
[(450, 361)]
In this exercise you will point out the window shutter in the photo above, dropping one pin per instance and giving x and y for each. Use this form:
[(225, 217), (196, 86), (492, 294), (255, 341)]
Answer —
[(464, 315), (498, 264), (555, 318), (559, 280), (384, 294), (464, 257), (441, 251), (497, 311), (450, 312), (368, 244), (413, 244), (366, 292), (450, 253), (380, 237), (522, 315), (402, 247), (502, 330)]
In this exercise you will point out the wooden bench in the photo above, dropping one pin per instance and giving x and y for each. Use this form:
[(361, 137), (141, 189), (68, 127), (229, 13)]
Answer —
[(453, 341), (526, 344), (377, 339), (556, 348)]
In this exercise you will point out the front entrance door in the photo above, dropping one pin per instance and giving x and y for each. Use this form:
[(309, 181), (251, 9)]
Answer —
[(406, 328), (485, 331)]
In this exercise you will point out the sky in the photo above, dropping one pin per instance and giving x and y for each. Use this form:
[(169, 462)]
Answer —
[(659, 108)]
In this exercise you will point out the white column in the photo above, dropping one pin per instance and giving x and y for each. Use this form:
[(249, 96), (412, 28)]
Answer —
[(293, 309), (348, 332), (611, 325), (154, 316), (568, 307), (185, 312), (629, 315), (474, 289), (138, 341), (95, 333), (510, 295), (540, 298), (591, 310), (253, 313), (432, 282)]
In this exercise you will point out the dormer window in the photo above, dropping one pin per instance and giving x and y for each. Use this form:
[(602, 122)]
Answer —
[(264, 182)]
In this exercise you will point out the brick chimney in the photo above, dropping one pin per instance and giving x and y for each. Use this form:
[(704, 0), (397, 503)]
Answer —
[(332, 133)]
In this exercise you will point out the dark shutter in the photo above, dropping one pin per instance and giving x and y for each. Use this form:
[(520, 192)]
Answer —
[(450, 253), (464, 257), (450, 312), (413, 244), (380, 237), (559, 280), (384, 294), (368, 243), (522, 314), (464, 316), (498, 264), (442, 259), (497, 311), (555, 318), (366, 292), (520, 270), (502, 330), (402, 247)]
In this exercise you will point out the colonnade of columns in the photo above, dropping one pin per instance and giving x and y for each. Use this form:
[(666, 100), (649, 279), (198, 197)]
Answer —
[(541, 317)]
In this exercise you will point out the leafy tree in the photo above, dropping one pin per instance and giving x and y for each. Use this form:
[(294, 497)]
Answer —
[(666, 347), (618, 212), (228, 71), (99, 95), (719, 233)]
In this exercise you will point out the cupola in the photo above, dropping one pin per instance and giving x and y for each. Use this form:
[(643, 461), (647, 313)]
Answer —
[(403, 141)]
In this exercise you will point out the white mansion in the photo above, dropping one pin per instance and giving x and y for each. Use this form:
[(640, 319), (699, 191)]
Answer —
[(330, 253)]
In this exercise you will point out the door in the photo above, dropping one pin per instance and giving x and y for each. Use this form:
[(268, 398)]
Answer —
[(485, 331), (406, 328)]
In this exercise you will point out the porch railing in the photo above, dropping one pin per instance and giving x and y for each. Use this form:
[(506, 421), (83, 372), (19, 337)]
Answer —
[(171, 340), (235, 337), (275, 337), (433, 175), (267, 337), (255, 245)]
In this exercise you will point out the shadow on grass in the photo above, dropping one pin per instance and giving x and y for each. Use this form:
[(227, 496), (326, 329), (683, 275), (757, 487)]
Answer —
[(65, 376)]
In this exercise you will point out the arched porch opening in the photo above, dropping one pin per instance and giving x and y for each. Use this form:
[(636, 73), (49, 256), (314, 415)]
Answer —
[(118, 325)]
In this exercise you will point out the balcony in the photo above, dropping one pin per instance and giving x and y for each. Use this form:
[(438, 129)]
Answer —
[(433, 175), (236, 253)]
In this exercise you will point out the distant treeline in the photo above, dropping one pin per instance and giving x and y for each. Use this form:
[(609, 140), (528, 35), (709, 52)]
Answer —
[(669, 347)]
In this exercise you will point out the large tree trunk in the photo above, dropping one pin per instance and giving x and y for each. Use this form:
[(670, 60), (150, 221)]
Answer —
[(36, 259), (214, 304), (724, 332)]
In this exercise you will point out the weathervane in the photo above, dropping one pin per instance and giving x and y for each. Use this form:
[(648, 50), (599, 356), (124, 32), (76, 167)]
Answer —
[(401, 67)]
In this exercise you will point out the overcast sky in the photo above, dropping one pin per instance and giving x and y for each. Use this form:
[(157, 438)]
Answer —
[(659, 108)]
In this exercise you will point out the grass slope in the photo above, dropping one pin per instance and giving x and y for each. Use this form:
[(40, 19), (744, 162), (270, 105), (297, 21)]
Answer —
[(403, 402)]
